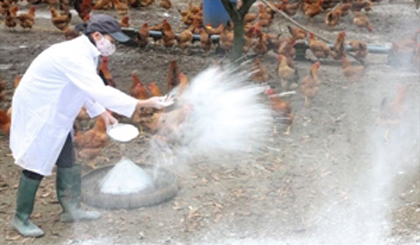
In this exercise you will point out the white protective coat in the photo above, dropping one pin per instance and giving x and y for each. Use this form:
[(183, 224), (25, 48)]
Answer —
[(56, 85)]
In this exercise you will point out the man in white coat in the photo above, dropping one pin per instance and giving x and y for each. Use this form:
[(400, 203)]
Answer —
[(61, 80)]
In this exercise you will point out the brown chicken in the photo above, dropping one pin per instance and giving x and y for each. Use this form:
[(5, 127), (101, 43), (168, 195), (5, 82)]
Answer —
[(143, 35), (360, 49), (274, 43), (310, 84), (167, 124), (290, 8), (226, 39), (343, 9), (154, 89), (285, 72), (168, 36), (71, 33), (61, 21), (358, 5), (391, 114), (205, 41), (249, 40), (27, 20), (287, 48), (332, 18), (146, 3), (339, 48), (83, 9), (214, 31), (137, 89), (184, 40), (250, 17), (103, 4), (166, 4), (183, 12), (195, 26), (297, 33), (125, 21), (260, 47), (10, 17), (183, 83), (104, 71), (282, 110), (353, 73), (4, 5), (121, 7), (82, 119), (172, 77), (319, 48), (90, 143), (5, 122), (265, 19), (188, 18), (312, 10), (362, 21), (260, 74)]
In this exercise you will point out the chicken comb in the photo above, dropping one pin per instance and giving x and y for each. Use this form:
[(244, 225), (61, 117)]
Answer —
[(136, 79), (269, 91)]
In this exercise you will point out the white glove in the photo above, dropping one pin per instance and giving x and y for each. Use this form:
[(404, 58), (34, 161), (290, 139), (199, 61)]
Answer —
[(161, 102), (109, 119)]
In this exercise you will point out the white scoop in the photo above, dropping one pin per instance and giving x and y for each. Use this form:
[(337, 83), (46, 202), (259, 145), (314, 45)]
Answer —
[(122, 132)]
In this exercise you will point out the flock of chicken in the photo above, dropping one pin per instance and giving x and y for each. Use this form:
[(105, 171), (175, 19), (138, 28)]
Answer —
[(257, 39)]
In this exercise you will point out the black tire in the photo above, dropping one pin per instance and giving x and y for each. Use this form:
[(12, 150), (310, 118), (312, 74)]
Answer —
[(164, 189)]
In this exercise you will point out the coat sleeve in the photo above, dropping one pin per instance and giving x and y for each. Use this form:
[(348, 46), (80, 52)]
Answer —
[(93, 108), (82, 73)]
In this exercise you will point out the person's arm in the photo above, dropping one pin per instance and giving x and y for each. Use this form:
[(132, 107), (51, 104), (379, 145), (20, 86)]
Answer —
[(93, 108), (82, 74)]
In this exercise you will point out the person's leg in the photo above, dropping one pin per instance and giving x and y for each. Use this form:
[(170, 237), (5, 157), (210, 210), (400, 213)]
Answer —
[(28, 185), (69, 186)]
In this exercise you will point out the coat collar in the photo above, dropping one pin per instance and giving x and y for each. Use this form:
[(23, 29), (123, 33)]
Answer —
[(89, 45)]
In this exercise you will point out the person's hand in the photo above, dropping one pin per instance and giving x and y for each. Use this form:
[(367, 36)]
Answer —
[(108, 118), (161, 102)]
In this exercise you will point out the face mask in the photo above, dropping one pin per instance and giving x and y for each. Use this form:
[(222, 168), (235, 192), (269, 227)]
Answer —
[(105, 46)]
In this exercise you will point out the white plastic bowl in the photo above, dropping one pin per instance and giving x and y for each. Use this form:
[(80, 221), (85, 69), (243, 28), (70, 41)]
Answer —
[(122, 132)]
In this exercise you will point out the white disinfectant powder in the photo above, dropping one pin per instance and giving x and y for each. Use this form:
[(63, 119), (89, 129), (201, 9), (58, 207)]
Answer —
[(226, 113), (123, 132), (125, 178)]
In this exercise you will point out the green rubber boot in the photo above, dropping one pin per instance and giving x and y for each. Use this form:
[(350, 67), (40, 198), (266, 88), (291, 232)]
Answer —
[(68, 193), (24, 207)]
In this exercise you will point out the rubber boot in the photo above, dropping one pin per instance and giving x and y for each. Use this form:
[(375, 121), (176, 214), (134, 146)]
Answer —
[(24, 207), (69, 195)]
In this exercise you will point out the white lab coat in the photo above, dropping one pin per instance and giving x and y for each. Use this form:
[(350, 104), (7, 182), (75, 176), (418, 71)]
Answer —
[(56, 85)]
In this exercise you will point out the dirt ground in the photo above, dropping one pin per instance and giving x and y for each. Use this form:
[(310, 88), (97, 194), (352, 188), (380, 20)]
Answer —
[(334, 180)]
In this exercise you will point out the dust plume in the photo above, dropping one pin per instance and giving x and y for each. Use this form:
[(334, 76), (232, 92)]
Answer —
[(220, 112)]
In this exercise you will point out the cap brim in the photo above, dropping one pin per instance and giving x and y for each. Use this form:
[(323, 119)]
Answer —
[(119, 36)]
